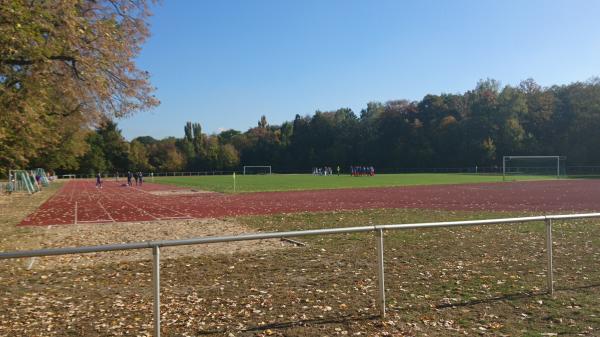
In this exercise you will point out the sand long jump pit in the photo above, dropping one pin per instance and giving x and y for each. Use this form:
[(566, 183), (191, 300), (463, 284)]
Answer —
[(91, 234)]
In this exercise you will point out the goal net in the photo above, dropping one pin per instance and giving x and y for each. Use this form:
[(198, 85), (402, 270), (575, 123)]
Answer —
[(514, 167), (257, 170)]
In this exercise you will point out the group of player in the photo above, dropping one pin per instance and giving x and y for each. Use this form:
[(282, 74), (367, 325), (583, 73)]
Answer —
[(324, 171), (137, 176), (362, 171)]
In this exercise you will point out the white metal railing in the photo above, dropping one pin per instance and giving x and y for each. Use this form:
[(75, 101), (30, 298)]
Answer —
[(378, 229)]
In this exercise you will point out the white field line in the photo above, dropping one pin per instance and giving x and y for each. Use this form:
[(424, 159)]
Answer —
[(31, 262), (84, 192), (75, 220), (33, 259), (89, 196), (96, 221), (105, 211), (72, 191), (183, 215), (127, 202)]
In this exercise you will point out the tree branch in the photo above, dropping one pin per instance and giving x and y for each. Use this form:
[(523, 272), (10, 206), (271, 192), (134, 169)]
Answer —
[(24, 62)]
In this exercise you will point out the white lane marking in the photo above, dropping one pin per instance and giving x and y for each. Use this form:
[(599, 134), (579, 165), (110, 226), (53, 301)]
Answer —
[(31, 262), (102, 206), (125, 201), (184, 216), (96, 221), (33, 259)]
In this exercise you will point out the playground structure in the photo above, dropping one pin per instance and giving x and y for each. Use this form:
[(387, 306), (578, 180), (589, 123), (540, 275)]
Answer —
[(25, 180)]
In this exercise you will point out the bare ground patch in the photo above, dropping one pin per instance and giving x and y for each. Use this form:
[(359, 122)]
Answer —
[(17, 206), (109, 233), (13, 209), (180, 192)]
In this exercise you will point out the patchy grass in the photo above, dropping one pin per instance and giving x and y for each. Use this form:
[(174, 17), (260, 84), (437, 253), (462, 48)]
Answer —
[(486, 280), (13, 209), (293, 182)]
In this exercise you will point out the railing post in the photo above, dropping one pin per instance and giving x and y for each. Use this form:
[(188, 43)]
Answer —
[(549, 275), (156, 288), (380, 274)]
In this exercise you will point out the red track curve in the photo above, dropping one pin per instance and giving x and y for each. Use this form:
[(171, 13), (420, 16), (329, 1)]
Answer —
[(80, 202)]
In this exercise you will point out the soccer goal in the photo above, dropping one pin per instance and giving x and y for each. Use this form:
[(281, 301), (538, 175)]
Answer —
[(257, 169), (514, 167)]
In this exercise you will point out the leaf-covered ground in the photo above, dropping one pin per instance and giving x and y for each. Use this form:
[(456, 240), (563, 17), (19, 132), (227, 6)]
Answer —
[(485, 280), (13, 209)]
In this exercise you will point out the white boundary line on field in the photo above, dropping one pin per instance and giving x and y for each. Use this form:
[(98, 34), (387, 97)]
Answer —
[(134, 206), (31, 262), (105, 211), (33, 259), (95, 221), (141, 209), (183, 215)]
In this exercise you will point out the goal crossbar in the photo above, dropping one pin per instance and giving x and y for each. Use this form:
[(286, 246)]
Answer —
[(532, 157), (555, 159), (266, 167)]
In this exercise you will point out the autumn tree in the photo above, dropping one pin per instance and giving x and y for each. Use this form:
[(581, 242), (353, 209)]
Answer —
[(139, 157), (65, 63), (108, 151)]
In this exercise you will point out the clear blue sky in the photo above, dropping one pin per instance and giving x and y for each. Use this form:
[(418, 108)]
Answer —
[(226, 63)]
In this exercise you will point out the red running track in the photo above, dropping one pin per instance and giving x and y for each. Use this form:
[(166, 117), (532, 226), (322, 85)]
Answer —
[(81, 202)]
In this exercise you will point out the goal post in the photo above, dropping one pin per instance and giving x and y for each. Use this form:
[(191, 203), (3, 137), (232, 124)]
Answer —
[(533, 166), (257, 169)]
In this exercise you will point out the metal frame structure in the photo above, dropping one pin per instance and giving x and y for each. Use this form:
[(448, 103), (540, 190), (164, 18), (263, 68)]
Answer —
[(22, 181), (264, 166), (155, 247), (558, 159)]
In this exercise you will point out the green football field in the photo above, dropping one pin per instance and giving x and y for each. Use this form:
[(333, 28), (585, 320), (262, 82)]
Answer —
[(290, 182)]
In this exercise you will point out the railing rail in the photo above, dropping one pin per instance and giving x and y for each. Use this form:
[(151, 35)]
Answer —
[(377, 229)]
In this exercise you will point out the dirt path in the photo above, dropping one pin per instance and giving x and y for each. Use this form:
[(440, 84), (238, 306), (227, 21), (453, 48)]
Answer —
[(109, 233)]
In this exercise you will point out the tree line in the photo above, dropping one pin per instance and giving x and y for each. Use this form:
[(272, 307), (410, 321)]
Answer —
[(477, 127)]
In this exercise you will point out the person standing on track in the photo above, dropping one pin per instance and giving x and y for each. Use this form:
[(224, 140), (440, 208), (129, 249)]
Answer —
[(98, 180), (135, 176), (10, 187), (129, 176), (140, 177)]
